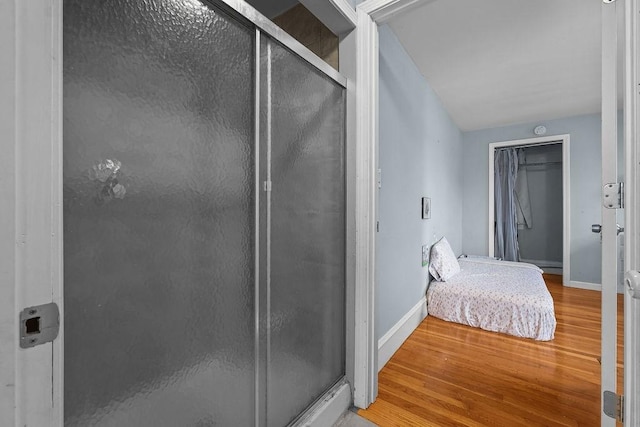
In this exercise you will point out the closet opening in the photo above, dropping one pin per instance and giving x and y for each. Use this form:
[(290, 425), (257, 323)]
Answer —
[(539, 191), (529, 202)]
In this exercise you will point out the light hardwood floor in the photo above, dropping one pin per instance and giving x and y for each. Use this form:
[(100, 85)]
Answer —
[(448, 374)]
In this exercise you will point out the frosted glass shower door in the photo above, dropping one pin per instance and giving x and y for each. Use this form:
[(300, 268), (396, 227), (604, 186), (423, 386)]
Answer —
[(306, 290), (159, 214)]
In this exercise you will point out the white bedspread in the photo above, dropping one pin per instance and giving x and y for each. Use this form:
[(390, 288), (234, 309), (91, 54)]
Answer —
[(499, 296)]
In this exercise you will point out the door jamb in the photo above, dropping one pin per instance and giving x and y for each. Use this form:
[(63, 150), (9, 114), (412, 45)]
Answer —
[(370, 14), (632, 202), (609, 136), (34, 262)]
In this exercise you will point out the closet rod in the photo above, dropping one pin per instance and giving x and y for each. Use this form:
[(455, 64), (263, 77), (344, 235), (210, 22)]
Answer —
[(540, 163)]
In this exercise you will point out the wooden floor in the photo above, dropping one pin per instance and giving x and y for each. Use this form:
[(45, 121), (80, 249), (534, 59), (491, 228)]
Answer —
[(448, 374)]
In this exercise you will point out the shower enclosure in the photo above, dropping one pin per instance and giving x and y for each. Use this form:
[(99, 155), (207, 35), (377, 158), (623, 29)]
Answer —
[(204, 217)]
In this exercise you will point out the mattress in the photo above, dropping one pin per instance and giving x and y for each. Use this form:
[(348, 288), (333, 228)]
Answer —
[(499, 296)]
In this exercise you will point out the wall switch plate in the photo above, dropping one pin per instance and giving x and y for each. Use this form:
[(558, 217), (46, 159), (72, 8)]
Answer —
[(425, 255)]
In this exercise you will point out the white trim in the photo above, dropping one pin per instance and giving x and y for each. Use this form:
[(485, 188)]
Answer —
[(347, 54), (565, 140), (349, 13), (337, 15), (38, 200), (492, 208), (393, 339), (609, 145), (365, 372), (583, 285), (546, 263), (632, 214), (329, 408), (369, 15), (382, 11), (8, 284)]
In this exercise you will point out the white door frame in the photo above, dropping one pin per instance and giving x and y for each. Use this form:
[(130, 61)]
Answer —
[(31, 187), (563, 139), (609, 296), (370, 14), (632, 214)]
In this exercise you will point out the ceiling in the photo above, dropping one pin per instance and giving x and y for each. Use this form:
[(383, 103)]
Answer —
[(501, 62)]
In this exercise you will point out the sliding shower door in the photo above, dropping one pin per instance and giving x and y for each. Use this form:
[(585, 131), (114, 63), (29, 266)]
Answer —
[(159, 215), (204, 219), (305, 146)]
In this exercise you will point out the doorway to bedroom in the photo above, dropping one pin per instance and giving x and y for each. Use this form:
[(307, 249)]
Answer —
[(529, 197)]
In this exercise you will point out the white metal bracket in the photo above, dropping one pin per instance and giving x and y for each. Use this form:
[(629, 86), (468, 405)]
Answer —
[(613, 405), (613, 195), (39, 324)]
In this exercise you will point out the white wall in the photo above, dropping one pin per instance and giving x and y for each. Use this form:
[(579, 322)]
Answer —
[(585, 178), (8, 227), (420, 156)]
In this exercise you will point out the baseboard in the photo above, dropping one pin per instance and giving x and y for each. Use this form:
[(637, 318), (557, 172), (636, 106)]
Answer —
[(390, 342), (329, 409), (584, 285), (538, 262)]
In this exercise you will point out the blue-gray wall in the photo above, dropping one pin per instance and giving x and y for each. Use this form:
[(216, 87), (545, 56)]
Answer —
[(420, 156), (542, 243), (585, 161)]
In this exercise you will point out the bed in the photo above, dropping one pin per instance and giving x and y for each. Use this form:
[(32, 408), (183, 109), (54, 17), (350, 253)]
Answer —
[(499, 296)]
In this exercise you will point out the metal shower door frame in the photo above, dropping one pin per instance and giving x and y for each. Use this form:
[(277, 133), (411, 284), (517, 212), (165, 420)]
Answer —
[(33, 80), (264, 25)]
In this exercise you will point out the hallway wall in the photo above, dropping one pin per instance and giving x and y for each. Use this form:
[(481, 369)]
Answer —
[(420, 152)]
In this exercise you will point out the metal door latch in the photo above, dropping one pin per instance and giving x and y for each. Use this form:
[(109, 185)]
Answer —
[(613, 195), (39, 325), (597, 228)]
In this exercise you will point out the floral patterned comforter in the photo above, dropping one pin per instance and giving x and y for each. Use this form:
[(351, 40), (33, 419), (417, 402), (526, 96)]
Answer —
[(499, 296)]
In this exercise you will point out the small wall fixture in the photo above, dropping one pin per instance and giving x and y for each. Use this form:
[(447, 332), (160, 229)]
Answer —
[(540, 130), (426, 208)]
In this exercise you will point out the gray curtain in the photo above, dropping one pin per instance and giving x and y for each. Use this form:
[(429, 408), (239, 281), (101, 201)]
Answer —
[(505, 174), (523, 200)]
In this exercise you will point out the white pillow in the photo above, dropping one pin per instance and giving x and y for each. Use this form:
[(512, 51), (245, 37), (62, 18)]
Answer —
[(443, 264)]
